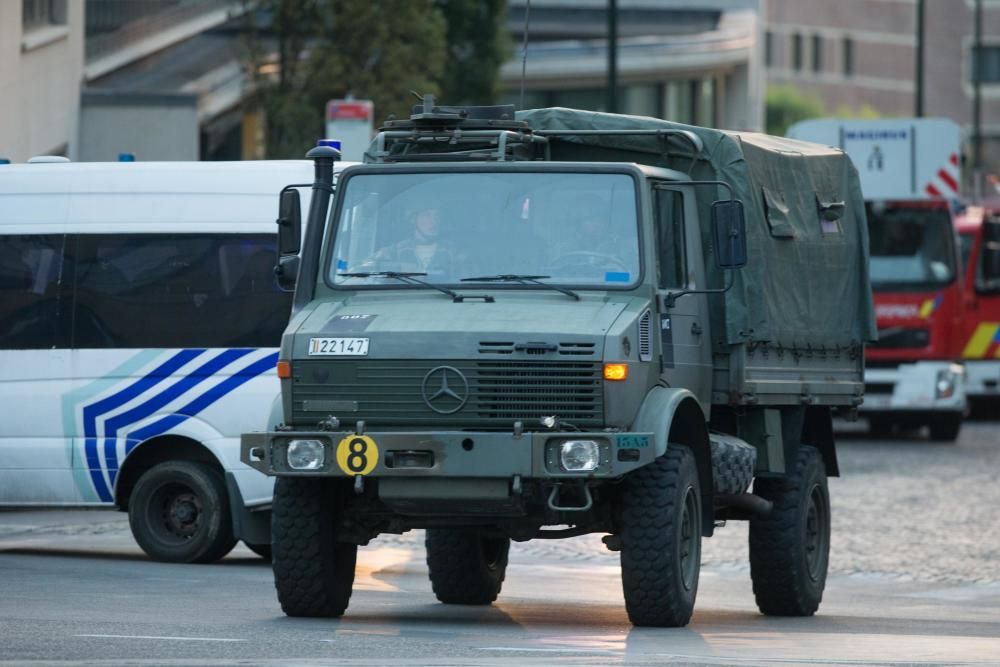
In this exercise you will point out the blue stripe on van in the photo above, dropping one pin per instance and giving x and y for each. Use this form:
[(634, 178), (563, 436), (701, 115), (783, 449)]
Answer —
[(92, 412), (143, 410), (163, 425)]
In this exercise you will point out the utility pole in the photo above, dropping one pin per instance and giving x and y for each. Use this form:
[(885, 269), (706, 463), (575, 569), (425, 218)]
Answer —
[(977, 105), (612, 56), (919, 74)]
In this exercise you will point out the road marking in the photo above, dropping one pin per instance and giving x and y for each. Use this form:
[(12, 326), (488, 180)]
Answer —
[(176, 639)]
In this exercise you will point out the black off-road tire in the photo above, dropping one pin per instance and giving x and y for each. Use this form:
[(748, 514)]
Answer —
[(466, 567), (179, 513), (313, 572), (733, 466), (262, 550), (661, 540), (946, 427), (790, 547)]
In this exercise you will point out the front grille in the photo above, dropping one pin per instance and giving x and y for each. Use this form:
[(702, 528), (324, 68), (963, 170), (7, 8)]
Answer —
[(390, 392), (898, 339)]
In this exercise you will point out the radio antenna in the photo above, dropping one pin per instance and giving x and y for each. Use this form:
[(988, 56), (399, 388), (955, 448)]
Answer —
[(524, 49)]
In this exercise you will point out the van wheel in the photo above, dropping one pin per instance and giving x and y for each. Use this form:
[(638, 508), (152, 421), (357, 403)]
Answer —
[(790, 547), (661, 540), (179, 513), (945, 428), (313, 572), (464, 566)]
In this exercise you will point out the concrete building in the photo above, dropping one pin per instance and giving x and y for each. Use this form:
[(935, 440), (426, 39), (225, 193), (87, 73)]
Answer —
[(682, 60), (853, 53), (41, 66)]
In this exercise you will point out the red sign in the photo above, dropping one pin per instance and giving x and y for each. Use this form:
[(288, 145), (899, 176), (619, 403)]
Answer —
[(360, 110)]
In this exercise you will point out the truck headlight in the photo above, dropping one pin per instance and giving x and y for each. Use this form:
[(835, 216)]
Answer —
[(945, 385), (306, 454), (579, 455)]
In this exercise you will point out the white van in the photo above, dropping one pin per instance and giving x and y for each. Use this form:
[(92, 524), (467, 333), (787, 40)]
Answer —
[(139, 325)]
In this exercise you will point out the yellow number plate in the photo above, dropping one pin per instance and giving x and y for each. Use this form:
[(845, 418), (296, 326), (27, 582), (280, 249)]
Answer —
[(357, 455)]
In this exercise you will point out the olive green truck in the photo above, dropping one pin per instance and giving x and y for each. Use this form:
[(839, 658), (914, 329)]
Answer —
[(549, 323)]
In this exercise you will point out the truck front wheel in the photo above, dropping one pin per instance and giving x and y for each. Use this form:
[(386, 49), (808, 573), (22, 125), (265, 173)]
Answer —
[(945, 428), (661, 540), (790, 547), (466, 567), (313, 572)]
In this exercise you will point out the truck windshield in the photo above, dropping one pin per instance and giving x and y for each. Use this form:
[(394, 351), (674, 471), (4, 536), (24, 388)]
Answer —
[(912, 248), (561, 228)]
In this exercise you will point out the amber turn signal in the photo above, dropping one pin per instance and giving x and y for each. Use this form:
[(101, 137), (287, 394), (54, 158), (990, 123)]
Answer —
[(615, 372), (284, 369)]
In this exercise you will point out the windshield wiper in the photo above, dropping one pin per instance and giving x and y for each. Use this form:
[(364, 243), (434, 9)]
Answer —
[(410, 278), (523, 279)]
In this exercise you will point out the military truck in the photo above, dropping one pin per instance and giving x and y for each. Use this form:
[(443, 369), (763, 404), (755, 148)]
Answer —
[(536, 326)]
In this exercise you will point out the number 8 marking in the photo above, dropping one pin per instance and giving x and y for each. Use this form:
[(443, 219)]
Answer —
[(357, 455)]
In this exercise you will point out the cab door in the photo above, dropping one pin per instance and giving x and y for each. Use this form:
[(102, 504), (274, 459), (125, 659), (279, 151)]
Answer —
[(685, 338), (980, 330)]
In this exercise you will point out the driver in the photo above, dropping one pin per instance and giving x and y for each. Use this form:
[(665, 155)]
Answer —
[(425, 251)]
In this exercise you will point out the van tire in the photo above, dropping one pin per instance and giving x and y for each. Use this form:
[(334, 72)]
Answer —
[(661, 540), (464, 566), (790, 546), (313, 572), (179, 513)]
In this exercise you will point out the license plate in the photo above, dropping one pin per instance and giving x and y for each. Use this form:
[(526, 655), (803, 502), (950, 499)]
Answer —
[(338, 347)]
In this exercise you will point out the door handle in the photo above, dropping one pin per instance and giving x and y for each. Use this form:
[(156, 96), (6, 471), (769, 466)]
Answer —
[(695, 329)]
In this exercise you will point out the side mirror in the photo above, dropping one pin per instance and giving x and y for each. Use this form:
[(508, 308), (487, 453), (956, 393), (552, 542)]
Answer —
[(289, 223), (730, 234), (287, 272)]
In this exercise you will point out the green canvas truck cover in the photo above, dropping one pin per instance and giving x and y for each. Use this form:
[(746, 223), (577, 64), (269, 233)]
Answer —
[(806, 283)]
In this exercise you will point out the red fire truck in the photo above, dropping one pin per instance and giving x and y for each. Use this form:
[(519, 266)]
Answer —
[(909, 171), (978, 339)]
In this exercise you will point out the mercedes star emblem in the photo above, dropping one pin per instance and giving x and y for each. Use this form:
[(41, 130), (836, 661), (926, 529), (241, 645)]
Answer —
[(445, 389)]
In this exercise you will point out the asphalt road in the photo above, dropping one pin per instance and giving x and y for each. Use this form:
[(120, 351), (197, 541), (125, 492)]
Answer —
[(914, 581)]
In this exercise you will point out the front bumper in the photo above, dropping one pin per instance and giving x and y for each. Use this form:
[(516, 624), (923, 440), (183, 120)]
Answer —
[(912, 387), (447, 454)]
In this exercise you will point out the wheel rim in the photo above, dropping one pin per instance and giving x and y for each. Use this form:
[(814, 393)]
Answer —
[(816, 536), (690, 533), (176, 513)]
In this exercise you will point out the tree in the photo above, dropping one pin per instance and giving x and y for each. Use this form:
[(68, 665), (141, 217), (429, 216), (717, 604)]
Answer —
[(478, 45), (325, 49), (787, 105)]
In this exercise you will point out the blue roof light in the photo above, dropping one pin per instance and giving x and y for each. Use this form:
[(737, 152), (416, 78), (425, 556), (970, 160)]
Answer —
[(126, 157), (330, 143), (4, 160)]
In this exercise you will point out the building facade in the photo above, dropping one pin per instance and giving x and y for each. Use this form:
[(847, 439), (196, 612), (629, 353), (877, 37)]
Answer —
[(860, 56), (685, 61), (41, 66)]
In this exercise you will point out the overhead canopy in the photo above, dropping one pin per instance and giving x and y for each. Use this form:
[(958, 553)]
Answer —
[(806, 283)]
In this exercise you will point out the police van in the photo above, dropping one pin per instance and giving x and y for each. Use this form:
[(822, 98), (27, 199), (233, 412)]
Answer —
[(139, 323)]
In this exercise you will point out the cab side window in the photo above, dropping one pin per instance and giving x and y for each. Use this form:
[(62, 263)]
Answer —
[(669, 212), (32, 312), (988, 278)]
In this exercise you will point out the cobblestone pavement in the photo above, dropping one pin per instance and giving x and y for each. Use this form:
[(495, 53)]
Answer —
[(905, 507)]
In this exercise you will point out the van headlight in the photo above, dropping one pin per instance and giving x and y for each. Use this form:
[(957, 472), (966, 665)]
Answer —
[(306, 454), (579, 455)]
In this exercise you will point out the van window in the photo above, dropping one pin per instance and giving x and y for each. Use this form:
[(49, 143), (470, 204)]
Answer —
[(176, 290), (31, 270)]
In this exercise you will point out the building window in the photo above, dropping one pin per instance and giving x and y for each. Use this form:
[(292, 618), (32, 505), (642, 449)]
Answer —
[(848, 56), (797, 52), (817, 53), (769, 48), (41, 13), (989, 61)]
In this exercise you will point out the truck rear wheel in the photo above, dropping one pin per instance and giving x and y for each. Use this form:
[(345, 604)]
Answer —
[(790, 547), (661, 540), (313, 572), (466, 567), (179, 513)]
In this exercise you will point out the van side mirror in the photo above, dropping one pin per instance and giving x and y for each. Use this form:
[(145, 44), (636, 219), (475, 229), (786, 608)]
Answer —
[(730, 234), (289, 222)]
